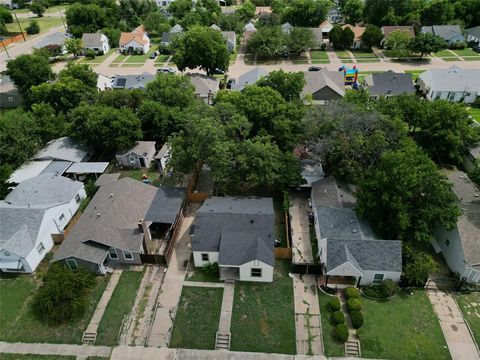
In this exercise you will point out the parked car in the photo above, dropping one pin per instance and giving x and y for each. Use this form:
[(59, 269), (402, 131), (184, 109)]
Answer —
[(314, 68), (153, 55), (165, 70), (230, 83), (218, 71)]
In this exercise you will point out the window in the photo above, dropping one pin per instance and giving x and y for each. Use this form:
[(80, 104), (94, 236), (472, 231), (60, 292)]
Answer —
[(61, 218), (447, 242), (40, 248), (132, 159), (77, 198), (451, 95), (127, 255), (205, 257), (468, 94), (72, 264), (378, 278), (256, 272), (112, 253)]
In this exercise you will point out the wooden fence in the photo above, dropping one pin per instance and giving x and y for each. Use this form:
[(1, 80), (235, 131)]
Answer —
[(12, 39), (196, 196), (283, 253)]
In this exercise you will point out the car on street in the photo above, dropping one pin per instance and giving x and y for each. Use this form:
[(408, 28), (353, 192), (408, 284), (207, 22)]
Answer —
[(165, 70), (314, 68)]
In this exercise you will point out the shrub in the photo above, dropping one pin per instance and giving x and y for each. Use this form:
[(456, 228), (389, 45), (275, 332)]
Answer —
[(354, 304), (33, 28), (338, 317), (389, 288), (323, 46), (352, 292), (334, 304), (458, 45), (90, 54), (357, 319), (341, 332), (63, 297), (211, 269)]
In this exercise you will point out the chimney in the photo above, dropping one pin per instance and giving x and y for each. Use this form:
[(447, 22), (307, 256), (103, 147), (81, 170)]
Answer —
[(140, 226)]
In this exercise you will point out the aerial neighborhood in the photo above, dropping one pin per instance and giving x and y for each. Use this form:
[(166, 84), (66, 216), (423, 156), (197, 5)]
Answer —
[(258, 179)]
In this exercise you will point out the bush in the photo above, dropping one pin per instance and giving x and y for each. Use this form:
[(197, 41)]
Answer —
[(458, 45), (63, 297), (90, 54), (354, 304), (389, 288), (211, 269), (334, 304), (352, 292), (33, 28), (357, 319), (323, 46), (6, 15), (338, 317), (341, 332)]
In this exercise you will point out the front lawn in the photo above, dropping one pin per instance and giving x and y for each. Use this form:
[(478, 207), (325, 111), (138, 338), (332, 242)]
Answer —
[(444, 53), (28, 329), (342, 54), (331, 345), (362, 54), (415, 73), (470, 306), (474, 112), (465, 52), (98, 58), (263, 318), (319, 57), (8, 356), (162, 58), (119, 306), (45, 23), (197, 318), (198, 274), (402, 328)]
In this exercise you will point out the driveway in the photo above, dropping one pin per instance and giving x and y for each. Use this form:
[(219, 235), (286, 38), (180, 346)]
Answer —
[(301, 246)]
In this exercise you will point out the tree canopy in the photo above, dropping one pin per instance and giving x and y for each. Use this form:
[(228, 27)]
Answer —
[(29, 70), (372, 36), (427, 43), (398, 42), (267, 41), (306, 13), (288, 84)]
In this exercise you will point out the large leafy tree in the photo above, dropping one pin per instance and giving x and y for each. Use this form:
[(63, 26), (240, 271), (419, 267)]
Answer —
[(105, 129), (171, 90), (74, 46), (85, 18), (156, 23), (352, 10), (427, 43), (372, 36), (49, 124), (268, 41), (122, 98), (405, 196), (438, 12), (306, 13), (180, 8), (210, 50), (81, 72), (29, 70), (300, 39), (398, 42), (288, 84), (419, 264)]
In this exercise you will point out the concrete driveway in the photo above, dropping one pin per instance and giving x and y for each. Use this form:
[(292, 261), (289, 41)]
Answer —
[(301, 246)]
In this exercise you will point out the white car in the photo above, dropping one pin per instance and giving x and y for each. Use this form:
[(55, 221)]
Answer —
[(165, 70)]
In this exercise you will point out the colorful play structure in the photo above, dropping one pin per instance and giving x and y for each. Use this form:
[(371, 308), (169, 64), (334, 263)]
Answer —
[(350, 75)]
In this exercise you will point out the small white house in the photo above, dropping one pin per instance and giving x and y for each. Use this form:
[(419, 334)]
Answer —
[(140, 156), (461, 246), (163, 157), (136, 41), (32, 215), (239, 235), (95, 41)]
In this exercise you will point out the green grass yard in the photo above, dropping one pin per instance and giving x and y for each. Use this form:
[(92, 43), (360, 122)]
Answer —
[(196, 321), (162, 58), (402, 328), (466, 52), (153, 175), (332, 346), (470, 306), (45, 23), (197, 274), (414, 73), (22, 326), (342, 54), (50, 10), (319, 57), (474, 112), (120, 305), (263, 318), (98, 59), (362, 54), (444, 53)]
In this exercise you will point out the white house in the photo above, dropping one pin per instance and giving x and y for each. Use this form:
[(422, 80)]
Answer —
[(32, 215), (140, 156), (95, 41), (136, 41), (461, 246), (163, 157), (471, 158), (347, 246), (473, 34), (239, 235), (452, 84)]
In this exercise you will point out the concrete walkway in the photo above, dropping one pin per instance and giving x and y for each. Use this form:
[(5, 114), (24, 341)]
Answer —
[(104, 300), (172, 288), (227, 306), (308, 328), (203, 284), (455, 331), (301, 246), (55, 349)]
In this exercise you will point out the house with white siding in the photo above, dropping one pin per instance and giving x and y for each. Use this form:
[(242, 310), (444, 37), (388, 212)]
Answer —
[(32, 215), (133, 42), (139, 156), (238, 234), (95, 41)]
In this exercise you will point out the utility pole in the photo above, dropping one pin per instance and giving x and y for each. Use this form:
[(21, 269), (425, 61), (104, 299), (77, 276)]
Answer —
[(21, 30), (63, 22), (5, 46)]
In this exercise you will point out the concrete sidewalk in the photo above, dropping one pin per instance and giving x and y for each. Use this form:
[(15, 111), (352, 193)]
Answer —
[(227, 306), (455, 331), (301, 246), (55, 349), (203, 284)]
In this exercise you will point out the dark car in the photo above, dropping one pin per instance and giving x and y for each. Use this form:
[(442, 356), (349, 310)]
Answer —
[(314, 68), (153, 55), (230, 83)]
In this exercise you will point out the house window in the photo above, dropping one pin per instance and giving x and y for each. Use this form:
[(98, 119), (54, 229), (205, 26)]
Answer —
[(77, 198), (447, 242), (61, 218), (468, 94), (112, 253), (451, 95), (132, 159), (127, 255), (205, 257), (378, 278), (72, 264), (256, 272), (40, 248)]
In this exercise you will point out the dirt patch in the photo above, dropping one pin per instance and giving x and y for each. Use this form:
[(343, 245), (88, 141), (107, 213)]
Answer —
[(264, 327)]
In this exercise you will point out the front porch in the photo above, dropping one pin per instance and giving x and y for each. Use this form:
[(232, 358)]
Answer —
[(229, 273), (338, 282)]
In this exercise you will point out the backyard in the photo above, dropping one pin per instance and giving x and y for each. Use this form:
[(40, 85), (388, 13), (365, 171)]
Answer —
[(118, 307), (470, 306), (331, 345), (197, 318), (404, 327), (45, 23), (19, 324), (263, 318), (137, 174)]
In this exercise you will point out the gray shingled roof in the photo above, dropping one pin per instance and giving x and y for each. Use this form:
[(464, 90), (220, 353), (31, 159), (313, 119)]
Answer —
[(110, 219), (446, 32), (166, 205), (474, 31), (451, 79), (45, 190), (328, 192), (139, 81), (203, 84), (342, 223), (92, 39), (56, 167), (317, 80), (64, 148), (240, 229), (377, 255), (249, 78), (140, 148), (390, 83), (57, 38)]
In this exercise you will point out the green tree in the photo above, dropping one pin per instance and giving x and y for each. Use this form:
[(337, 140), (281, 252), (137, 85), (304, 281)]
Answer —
[(288, 84), (156, 23), (405, 196), (105, 129), (74, 46), (122, 98), (49, 125), (246, 11), (419, 265), (32, 28), (180, 8), (3, 28), (86, 18), (29, 70), (347, 38), (306, 13), (37, 8), (231, 22), (372, 36), (335, 35), (211, 51), (398, 42), (81, 72), (427, 43), (352, 10), (5, 172), (438, 12), (300, 39), (266, 42), (171, 91), (5, 15), (113, 36)]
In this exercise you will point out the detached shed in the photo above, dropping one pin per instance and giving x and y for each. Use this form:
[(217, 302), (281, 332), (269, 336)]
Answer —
[(140, 156)]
